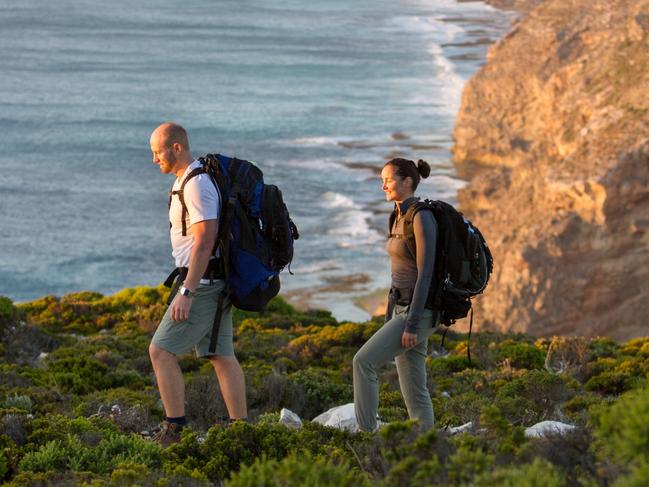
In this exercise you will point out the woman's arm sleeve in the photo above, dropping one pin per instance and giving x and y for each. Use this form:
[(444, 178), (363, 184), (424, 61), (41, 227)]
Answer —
[(425, 229)]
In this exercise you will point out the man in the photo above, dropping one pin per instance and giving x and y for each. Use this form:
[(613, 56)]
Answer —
[(189, 318)]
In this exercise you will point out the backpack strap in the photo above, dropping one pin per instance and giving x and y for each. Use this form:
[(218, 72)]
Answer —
[(180, 192), (408, 230)]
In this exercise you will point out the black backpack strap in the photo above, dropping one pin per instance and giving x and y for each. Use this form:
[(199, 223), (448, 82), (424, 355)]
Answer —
[(409, 218), (217, 322), (174, 280), (180, 192)]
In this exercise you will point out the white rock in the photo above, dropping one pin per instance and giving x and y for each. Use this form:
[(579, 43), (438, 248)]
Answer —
[(460, 429), (289, 418), (341, 417), (547, 427)]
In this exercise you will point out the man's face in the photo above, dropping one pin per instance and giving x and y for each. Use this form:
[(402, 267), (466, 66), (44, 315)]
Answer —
[(163, 154)]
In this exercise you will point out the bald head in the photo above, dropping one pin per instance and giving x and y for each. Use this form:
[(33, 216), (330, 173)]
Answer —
[(170, 133), (170, 148)]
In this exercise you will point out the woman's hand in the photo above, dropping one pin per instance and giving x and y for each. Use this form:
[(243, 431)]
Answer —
[(408, 340)]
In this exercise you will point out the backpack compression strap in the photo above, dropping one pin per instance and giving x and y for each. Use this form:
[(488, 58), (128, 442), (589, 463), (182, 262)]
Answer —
[(180, 193)]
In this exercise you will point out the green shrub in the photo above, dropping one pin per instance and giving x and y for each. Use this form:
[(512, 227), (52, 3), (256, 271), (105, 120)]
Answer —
[(522, 355), (602, 347), (297, 470), (443, 366), (8, 312), (467, 462), (324, 389), (22, 402), (623, 428), (539, 473), (534, 396), (99, 453), (611, 383), (637, 477), (4, 465)]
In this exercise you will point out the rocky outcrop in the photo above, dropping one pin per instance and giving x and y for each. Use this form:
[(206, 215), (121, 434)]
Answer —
[(553, 134)]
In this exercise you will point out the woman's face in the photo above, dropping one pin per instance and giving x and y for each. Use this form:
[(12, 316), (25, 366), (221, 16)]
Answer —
[(396, 188)]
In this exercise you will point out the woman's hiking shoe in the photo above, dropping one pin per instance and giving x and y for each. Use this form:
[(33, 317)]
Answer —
[(168, 434)]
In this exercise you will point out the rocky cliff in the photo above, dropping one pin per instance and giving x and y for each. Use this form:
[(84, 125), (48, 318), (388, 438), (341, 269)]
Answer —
[(553, 134)]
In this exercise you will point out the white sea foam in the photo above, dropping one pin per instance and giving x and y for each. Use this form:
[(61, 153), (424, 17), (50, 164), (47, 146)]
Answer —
[(316, 141), (336, 200), (351, 229), (451, 83), (316, 267)]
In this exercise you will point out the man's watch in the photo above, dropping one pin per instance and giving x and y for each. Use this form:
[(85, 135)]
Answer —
[(186, 292)]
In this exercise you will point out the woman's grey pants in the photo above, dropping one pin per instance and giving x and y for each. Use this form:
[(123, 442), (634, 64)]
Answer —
[(380, 349)]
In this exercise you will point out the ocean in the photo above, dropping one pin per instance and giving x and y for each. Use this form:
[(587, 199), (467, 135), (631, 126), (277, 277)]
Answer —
[(319, 94)]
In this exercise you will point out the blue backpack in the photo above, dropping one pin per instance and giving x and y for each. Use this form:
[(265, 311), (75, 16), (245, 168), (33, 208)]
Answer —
[(255, 235)]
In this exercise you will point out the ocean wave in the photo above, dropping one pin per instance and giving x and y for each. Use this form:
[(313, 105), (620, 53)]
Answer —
[(316, 267), (331, 199), (452, 83), (320, 140), (355, 224)]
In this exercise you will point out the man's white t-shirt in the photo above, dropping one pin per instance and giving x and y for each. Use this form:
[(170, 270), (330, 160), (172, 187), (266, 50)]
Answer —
[(203, 203)]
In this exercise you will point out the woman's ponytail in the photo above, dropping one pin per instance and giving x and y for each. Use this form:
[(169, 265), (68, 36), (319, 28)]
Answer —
[(423, 168)]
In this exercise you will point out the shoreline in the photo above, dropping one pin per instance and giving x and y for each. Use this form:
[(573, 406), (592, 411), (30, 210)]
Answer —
[(349, 297)]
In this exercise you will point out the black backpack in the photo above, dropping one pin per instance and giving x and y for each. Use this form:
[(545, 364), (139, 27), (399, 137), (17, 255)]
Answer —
[(463, 261)]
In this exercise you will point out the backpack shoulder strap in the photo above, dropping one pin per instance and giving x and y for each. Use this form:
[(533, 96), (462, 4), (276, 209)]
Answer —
[(180, 193), (408, 219), (393, 218)]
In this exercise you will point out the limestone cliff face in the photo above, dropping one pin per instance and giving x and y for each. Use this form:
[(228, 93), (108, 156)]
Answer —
[(553, 133)]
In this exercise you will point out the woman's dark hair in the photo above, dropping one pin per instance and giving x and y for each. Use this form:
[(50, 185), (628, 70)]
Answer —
[(407, 168)]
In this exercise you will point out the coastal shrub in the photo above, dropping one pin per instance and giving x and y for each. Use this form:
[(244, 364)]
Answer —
[(457, 409), (637, 477), (637, 347), (467, 462), (521, 355), (256, 342), (8, 312), (570, 452), (577, 408), (317, 343), (226, 449), (21, 402), (444, 366), (275, 391), (323, 389), (87, 312), (97, 453), (534, 396), (622, 429), (602, 347), (297, 469), (538, 473), (4, 465), (611, 383), (58, 427)]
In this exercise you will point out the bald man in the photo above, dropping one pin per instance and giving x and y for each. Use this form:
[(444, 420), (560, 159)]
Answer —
[(189, 318)]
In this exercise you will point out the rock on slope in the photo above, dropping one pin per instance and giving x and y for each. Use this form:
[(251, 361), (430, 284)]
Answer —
[(553, 133)]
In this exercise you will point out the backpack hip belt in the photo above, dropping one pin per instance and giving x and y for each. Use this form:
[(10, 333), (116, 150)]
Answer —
[(174, 280), (401, 296)]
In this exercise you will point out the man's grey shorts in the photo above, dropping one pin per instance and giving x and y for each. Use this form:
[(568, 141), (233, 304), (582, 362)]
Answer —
[(179, 337)]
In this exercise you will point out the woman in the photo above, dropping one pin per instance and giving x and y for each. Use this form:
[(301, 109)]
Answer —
[(404, 336)]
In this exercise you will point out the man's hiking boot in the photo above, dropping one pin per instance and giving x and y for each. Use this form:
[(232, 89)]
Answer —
[(168, 434)]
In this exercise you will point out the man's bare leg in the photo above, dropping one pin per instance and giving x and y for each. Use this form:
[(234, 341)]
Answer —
[(232, 383), (170, 381)]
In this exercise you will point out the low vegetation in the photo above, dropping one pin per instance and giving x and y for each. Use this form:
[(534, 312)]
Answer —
[(77, 391)]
